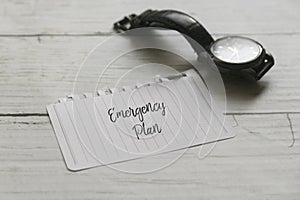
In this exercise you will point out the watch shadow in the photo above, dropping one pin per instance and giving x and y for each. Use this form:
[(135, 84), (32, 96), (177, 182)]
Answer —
[(243, 88)]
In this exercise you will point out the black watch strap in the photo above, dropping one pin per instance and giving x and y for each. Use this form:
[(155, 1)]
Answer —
[(170, 19)]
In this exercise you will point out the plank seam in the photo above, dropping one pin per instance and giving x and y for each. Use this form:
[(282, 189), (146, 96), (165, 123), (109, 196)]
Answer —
[(263, 113), (23, 114), (292, 129), (112, 33), (229, 114)]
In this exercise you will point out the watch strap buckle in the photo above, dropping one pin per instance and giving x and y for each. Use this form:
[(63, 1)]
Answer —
[(124, 24)]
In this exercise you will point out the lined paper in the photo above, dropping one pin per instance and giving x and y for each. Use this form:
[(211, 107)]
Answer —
[(121, 124)]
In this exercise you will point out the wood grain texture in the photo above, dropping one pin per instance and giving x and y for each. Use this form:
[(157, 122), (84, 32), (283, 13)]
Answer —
[(37, 71), (258, 163), (96, 17), (42, 44)]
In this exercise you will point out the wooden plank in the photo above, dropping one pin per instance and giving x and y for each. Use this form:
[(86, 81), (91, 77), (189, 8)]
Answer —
[(258, 163), (36, 71), (94, 17)]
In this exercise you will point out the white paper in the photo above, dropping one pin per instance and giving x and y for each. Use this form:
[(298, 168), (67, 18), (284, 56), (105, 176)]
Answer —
[(134, 122)]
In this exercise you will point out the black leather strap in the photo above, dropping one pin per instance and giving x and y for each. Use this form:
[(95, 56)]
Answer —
[(175, 20), (187, 25)]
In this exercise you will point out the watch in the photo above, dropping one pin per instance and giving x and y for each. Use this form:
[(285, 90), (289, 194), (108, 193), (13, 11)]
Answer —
[(234, 53)]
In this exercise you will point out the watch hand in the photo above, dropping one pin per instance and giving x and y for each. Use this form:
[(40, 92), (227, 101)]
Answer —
[(231, 49), (232, 56)]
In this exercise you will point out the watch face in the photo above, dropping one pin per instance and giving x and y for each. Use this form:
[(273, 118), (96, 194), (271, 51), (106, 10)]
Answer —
[(236, 50)]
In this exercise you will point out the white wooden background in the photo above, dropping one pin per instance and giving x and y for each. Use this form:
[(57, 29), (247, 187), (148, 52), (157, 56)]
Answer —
[(42, 44)]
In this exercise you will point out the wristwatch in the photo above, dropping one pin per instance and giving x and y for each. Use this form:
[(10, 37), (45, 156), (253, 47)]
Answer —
[(234, 53)]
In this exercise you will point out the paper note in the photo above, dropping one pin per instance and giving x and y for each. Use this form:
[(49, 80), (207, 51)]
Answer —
[(121, 124)]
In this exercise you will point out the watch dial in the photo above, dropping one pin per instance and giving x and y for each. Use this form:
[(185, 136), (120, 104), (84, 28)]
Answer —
[(235, 49)]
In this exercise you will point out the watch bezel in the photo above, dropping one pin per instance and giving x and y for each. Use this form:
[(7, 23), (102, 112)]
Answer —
[(242, 65)]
